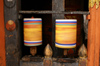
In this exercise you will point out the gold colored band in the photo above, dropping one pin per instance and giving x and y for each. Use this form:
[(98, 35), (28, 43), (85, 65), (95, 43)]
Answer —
[(92, 3)]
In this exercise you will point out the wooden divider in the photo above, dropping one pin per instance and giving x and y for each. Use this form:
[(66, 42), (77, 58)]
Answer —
[(94, 34), (2, 36), (97, 38), (91, 36)]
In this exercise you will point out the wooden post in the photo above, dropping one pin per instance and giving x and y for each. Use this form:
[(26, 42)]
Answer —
[(65, 52), (33, 50), (48, 56), (94, 33), (91, 36), (12, 37), (99, 33), (97, 39), (57, 5), (82, 56), (2, 36)]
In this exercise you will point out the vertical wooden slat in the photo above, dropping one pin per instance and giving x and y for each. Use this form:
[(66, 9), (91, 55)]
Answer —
[(91, 35), (99, 35), (94, 34), (97, 38), (57, 5), (11, 37), (2, 36)]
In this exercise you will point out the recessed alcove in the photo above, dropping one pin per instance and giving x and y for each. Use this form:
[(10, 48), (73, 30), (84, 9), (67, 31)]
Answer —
[(44, 5)]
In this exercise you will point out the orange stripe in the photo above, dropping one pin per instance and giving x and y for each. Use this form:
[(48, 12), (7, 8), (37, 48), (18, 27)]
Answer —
[(31, 26), (32, 22), (64, 28), (33, 43)]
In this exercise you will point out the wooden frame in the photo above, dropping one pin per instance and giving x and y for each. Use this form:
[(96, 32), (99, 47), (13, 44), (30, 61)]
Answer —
[(2, 36), (13, 50)]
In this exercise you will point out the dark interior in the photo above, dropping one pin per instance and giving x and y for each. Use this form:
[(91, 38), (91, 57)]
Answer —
[(47, 22)]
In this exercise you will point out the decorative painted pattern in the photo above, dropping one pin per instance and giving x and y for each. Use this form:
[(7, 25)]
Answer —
[(66, 33), (92, 2), (32, 31)]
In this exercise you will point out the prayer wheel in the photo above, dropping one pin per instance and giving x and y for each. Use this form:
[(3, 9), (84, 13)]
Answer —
[(66, 30), (32, 31)]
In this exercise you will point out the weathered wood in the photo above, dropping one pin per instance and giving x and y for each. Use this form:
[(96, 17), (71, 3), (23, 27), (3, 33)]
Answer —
[(31, 63), (57, 5), (54, 12), (47, 62), (85, 25), (65, 60), (83, 62), (11, 37), (41, 64), (29, 58)]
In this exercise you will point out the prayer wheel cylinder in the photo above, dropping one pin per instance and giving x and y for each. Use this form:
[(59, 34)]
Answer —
[(32, 31), (66, 30)]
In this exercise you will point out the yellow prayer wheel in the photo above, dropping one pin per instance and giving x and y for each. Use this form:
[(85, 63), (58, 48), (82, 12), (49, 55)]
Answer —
[(32, 31), (66, 31)]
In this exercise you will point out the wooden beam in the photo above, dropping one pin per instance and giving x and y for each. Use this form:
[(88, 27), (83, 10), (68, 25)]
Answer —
[(91, 36), (54, 12), (57, 5), (2, 36), (97, 39), (11, 37)]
